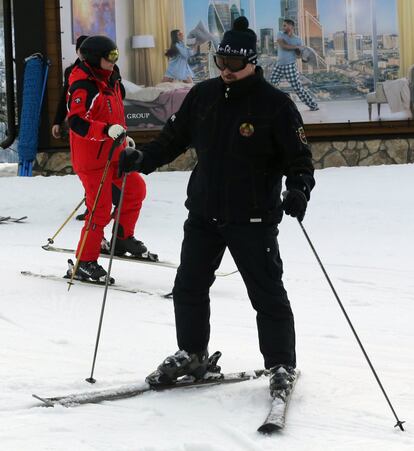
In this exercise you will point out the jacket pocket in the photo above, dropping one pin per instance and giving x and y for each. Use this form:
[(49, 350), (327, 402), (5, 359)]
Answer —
[(259, 192)]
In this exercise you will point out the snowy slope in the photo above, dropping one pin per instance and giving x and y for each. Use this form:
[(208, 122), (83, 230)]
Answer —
[(361, 221)]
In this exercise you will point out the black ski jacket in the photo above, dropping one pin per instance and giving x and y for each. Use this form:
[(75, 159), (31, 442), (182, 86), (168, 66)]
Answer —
[(247, 136), (61, 110)]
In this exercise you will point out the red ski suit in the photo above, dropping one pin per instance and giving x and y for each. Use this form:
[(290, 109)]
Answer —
[(94, 103)]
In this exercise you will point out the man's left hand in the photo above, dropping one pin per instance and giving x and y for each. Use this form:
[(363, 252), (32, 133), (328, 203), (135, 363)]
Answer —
[(295, 204), (129, 160)]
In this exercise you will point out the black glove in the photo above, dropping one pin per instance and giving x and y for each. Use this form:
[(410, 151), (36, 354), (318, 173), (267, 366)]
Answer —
[(129, 160), (295, 203)]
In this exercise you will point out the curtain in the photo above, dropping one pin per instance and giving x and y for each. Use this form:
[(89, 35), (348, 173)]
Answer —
[(406, 34), (157, 18)]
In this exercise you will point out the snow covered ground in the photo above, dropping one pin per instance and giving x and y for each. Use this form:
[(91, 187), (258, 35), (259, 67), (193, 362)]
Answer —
[(361, 221)]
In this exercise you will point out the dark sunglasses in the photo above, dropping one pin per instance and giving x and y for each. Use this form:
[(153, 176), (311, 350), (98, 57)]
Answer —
[(112, 56), (232, 63)]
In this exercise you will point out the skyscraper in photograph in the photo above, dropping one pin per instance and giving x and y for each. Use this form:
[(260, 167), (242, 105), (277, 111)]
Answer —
[(390, 41), (267, 41), (310, 27), (359, 43), (252, 10), (235, 10), (288, 10), (219, 18), (340, 43), (352, 54), (235, 4)]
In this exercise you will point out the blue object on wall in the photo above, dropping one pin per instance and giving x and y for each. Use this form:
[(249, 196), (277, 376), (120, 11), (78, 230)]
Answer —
[(34, 86)]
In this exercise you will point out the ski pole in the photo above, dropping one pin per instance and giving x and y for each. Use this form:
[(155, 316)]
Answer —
[(91, 379), (115, 144), (52, 240), (399, 422)]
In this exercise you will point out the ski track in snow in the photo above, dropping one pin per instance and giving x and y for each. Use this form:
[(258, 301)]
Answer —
[(361, 222)]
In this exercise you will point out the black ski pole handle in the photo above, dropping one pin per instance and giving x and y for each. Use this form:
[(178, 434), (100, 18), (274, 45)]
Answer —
[(117, 142)]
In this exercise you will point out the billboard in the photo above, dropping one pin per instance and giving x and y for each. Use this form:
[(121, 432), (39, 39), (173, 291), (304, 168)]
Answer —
[(339, 31)]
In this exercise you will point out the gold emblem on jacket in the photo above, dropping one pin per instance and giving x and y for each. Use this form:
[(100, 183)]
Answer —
[(246, 129)]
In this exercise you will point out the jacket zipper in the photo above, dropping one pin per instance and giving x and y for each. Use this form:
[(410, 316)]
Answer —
[(255, 204), (100, 150)]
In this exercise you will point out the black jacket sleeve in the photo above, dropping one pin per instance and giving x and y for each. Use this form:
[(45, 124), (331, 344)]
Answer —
[(296, 153), (174, 139), (61, 111)]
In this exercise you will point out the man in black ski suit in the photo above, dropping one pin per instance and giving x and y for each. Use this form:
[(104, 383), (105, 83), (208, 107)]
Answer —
[(247, 135)]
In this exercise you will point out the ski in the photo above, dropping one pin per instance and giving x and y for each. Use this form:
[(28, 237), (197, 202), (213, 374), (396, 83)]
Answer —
[(21, 219), (275, 420), (165, 264), (85, 282), (129, 391), (10, 219)]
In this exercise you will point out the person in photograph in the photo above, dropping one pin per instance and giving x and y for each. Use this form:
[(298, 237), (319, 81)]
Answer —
[(290, 46), (178, 55), (247, 135), (96, 118)]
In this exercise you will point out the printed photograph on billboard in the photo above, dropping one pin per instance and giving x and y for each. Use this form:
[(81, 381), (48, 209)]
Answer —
[(93, 17), (354, 70)]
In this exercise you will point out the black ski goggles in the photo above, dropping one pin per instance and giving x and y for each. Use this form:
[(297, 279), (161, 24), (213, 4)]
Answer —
[(232, 63), (112, 56)]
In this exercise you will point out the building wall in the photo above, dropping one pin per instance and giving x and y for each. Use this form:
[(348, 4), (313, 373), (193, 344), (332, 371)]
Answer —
[(124, 15)]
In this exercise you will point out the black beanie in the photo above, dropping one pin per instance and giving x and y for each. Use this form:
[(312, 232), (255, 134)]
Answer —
[(239, 41)]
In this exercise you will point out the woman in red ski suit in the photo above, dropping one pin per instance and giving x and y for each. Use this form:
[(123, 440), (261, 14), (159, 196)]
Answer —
[(96, 118)]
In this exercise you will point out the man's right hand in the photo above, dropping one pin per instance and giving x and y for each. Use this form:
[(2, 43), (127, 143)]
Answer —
[(115, 131), (129, 160)]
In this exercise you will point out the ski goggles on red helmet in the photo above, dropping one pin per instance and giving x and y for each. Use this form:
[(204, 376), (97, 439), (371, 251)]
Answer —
[(233, 63), (112, 56)]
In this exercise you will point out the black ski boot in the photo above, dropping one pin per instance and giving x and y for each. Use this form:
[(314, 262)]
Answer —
[(281, 378), (90, 271), (180, 364), (130, 245), (82, 216)]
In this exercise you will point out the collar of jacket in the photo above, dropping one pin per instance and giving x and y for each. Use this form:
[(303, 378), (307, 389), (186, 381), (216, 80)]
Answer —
[(242, 87), (93, 72)]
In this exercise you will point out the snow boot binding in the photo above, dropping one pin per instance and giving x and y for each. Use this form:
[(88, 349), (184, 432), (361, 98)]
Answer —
[(89, 271), (281, 379), (130, 245), (120, 250), (196, 365)]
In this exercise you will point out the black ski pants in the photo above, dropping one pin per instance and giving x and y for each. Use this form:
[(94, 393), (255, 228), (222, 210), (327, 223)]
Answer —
[(255, 251)]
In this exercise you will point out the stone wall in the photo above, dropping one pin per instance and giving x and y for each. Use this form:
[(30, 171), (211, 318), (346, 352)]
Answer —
[(371, 152), (58, 163)]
